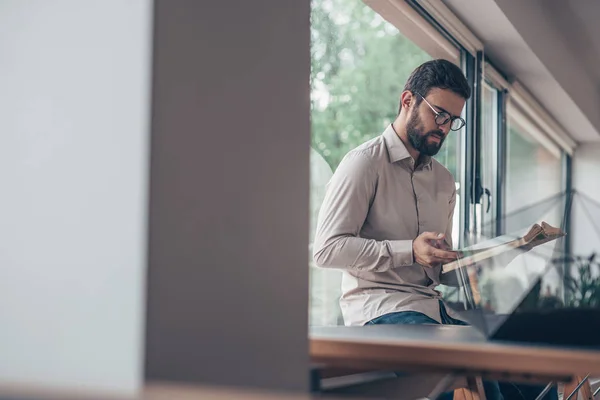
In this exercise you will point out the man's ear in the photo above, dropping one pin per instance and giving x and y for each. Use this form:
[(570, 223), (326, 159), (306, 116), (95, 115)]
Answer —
[(406, 99)]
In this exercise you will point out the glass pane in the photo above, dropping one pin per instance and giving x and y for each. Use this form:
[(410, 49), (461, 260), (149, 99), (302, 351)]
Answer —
[(533, 194), (359, 65), (486, 209), (533, 181), (325, 284)]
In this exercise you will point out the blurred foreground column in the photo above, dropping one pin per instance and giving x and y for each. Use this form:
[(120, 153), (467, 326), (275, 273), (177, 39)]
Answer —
[(74, 134), (229, 199)]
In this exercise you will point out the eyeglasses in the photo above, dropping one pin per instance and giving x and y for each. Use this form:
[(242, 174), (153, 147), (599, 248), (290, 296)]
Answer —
[(442, 118)]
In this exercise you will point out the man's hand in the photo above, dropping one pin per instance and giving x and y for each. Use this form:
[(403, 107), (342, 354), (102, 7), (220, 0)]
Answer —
[(430, 250)]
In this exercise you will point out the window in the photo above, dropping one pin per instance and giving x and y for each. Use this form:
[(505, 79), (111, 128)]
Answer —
[(533, 189), (535, 151), (360, 63), (533, 180), (486, 209)]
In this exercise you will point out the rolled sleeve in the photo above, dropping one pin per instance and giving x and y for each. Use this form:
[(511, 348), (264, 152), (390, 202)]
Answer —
[(402, 252)]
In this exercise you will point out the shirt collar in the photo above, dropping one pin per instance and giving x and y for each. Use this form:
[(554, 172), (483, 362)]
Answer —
[(397, 150)]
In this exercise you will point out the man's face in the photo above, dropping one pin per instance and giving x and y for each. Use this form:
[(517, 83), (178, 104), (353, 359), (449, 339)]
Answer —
[(424, 134)]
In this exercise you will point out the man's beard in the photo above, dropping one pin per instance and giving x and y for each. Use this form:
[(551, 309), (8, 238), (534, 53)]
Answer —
[(419, 140)]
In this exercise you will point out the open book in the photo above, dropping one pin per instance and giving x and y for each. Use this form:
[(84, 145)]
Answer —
[(538, 234)]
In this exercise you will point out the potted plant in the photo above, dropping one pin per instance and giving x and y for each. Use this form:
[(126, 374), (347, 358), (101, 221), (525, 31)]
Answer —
[(582, 282)]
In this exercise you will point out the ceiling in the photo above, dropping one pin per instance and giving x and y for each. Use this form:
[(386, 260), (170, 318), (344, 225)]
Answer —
[(577, 20), (552, 47)]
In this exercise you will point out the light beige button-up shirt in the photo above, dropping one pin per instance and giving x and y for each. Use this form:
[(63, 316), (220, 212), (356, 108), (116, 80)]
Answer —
[(375, 205)]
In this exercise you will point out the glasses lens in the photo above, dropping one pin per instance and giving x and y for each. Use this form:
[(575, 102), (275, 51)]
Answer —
[(442, 118), (457, 124)]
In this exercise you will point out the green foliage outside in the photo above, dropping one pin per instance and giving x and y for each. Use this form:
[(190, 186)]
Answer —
[(359, 64)]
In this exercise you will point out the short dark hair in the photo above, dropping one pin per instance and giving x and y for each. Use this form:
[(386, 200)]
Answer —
[(440, 74)]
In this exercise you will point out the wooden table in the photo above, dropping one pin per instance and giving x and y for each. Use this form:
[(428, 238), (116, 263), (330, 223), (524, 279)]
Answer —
[(432, 349), (457, 350)]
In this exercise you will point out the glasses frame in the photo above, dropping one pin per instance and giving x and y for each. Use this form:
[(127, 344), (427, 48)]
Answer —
[(445, 117)]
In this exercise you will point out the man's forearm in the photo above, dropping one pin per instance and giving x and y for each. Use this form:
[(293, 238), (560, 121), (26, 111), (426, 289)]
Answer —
[(354, 253)]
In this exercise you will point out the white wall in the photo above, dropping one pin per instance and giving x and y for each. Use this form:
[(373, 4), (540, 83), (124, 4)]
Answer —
[(585, 225), (74, 87)]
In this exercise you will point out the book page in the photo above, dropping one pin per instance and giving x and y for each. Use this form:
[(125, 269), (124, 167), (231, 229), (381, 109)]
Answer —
[(534, 236), (533, 233), (483, 255)]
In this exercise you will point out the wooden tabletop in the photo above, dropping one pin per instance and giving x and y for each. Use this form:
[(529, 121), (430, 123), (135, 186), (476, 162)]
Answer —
[(443, 348)]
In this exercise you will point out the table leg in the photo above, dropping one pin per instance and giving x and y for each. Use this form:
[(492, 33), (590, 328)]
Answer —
[(473, 391), (545, 391), (442, 386), (578, 383)]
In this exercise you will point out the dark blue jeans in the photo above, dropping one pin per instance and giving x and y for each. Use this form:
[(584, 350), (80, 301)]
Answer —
[(493, 390), (413, 317)]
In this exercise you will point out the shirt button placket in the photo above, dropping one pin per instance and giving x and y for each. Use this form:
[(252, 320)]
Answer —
[(412, 181)]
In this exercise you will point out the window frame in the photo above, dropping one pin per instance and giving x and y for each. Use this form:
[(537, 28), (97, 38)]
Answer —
[(417, 27)]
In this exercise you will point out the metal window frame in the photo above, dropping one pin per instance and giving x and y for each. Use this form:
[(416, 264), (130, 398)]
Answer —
[(567, 184), (417, 27), (472, 68), (502, 162)]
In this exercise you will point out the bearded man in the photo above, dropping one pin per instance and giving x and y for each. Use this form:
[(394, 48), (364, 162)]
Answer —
[(386, 220)]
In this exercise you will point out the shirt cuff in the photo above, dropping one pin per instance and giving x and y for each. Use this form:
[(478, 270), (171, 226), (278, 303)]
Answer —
[(402, 253)]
